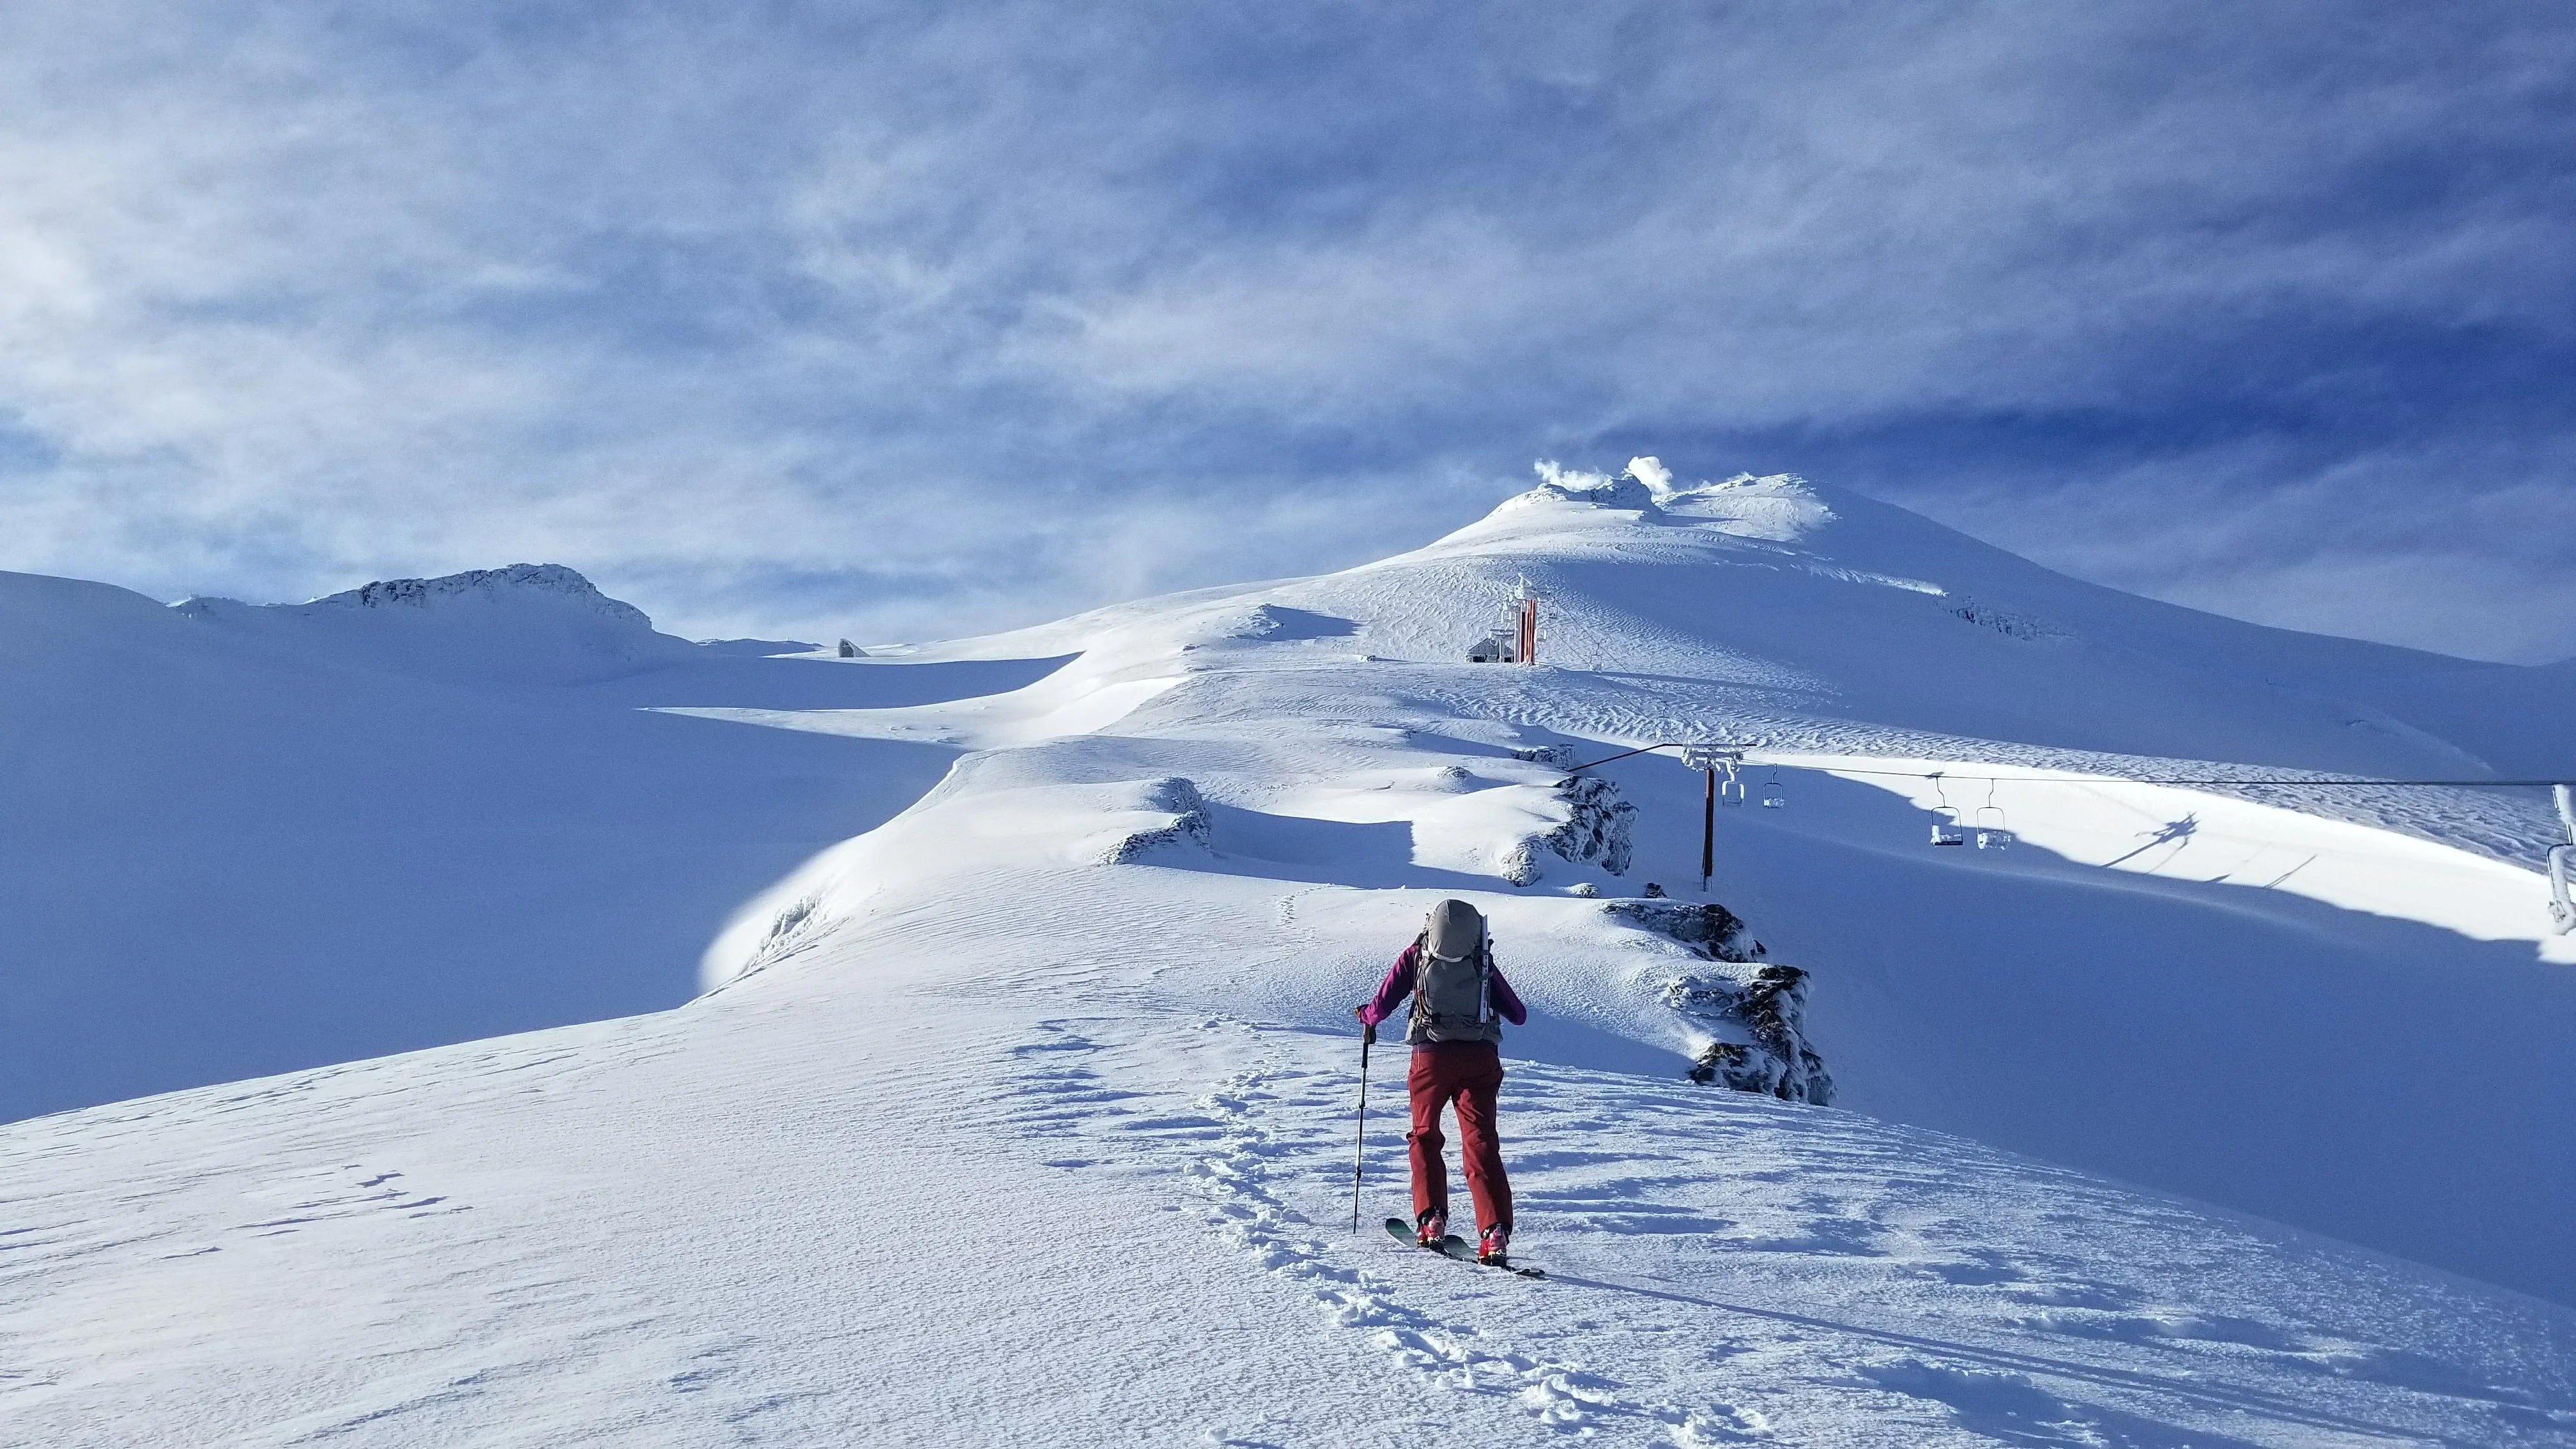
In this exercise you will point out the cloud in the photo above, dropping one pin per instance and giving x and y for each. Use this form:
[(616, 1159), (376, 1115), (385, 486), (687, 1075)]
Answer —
[(898, 321), (2466, 548)]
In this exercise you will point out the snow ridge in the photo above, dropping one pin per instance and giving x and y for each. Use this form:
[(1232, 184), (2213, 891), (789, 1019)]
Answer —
[(522, 623), (553, 582), (1092, 994)]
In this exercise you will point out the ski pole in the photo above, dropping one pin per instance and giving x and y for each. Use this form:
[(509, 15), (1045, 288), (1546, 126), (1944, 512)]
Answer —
[(1368, 1034)]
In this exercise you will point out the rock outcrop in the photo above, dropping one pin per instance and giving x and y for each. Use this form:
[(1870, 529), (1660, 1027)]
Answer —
[(1770, 1009), (1596, 830), (1177, 797), (1752, 1024)]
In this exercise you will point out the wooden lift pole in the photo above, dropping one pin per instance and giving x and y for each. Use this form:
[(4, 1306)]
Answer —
[(1708, 760), (1708, 831)]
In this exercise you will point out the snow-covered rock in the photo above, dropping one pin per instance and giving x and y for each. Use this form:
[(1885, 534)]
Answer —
[(763, 648), (1757, 1033), (1706, 926), (1749, 1027), (1594, 831), (1185, 821), (524, 624), (517, 581)]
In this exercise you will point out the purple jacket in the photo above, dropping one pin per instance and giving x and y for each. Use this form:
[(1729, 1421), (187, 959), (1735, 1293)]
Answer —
[(1399, 985)]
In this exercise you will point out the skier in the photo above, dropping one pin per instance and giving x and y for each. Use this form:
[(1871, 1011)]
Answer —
[(1459, 1004)]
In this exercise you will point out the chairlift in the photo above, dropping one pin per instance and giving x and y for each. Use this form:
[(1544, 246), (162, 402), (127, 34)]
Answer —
[(1772, 799), (2562, 862), (1945, 821), (1991, 831), (1709, 760)]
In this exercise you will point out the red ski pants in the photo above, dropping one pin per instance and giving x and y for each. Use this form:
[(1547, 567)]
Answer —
[(1468, 1074)]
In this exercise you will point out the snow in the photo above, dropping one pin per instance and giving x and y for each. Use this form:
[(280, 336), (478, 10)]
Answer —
[(2143, 829), (242, 840), (1022, 1113)]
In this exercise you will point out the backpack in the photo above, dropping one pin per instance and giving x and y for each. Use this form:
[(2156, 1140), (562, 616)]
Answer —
[(1450, 998)]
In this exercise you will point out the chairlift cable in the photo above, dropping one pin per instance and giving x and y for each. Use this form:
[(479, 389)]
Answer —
[(1947, 829), (2165, 780), (2082, 780)]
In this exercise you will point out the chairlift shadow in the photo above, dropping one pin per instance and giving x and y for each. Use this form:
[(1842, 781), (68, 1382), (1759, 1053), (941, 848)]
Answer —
[(2172, 832), (2011, 996)]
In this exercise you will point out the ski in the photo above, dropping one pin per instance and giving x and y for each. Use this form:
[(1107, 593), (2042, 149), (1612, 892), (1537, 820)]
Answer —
[(1452, 1246), (1405, 1234), (1465, 1252)]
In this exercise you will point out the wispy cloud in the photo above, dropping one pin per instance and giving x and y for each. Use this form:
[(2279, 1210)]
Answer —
[(899, 320), (2464, 546)]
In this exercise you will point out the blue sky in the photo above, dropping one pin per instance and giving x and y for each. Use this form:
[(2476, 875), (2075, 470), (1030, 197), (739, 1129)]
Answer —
[(909, 321)]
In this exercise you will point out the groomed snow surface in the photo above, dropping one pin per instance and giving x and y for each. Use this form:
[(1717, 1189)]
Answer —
[(1023, 1113)]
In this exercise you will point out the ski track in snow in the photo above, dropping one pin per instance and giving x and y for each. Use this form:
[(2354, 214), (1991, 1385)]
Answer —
[(1748, 1268), (1234, 1153)]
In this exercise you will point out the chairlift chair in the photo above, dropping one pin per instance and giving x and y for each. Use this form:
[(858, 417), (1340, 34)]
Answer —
[(1945, 821), (1991, 831), (1772, 799), (1719, 761)]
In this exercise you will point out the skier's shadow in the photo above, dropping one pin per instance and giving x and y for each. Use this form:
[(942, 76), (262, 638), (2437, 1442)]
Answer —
[(2249, 1401), (2170, 833)]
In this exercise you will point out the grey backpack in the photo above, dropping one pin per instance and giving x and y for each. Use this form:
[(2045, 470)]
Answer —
[(1453, 960)]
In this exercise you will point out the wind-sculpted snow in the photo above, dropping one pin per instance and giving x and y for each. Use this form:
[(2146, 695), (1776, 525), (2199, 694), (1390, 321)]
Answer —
[(1882, 1285), (1024, 1113), (241, 841), (1017, 1187), (1966, 992), (975, 1164)]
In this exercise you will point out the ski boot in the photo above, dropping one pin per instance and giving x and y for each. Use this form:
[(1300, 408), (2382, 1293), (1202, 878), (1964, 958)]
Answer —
[(1493, 1247), (1429, 1226)]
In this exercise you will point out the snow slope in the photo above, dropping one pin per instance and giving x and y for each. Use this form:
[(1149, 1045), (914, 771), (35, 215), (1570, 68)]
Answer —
[(1022, 1116), (245, 839)]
